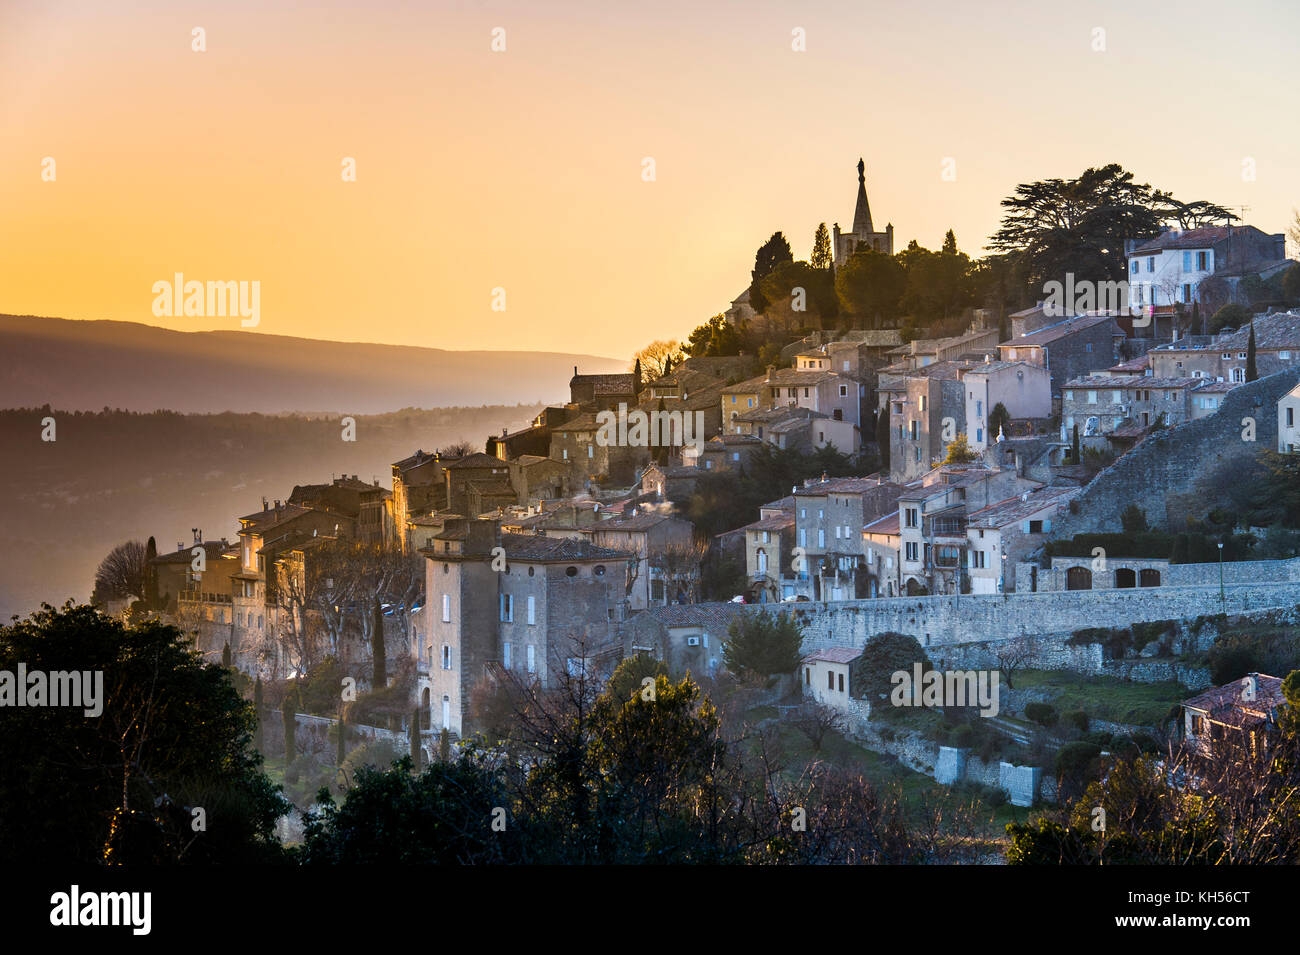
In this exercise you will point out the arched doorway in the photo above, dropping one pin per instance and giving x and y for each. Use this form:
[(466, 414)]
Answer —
[(1150, 577), (1125, 577), (1078, 578)]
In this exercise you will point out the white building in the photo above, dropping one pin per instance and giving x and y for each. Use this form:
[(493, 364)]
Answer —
[(1288, 421)]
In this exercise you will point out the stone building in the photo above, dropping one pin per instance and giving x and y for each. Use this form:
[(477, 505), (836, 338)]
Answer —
[(1223, 357), (1101, 404), (863, 235), (829, 517), (1001, 535), (554, 607), (685, 637), (1288, 422), (1023, 389), (1069, 348)]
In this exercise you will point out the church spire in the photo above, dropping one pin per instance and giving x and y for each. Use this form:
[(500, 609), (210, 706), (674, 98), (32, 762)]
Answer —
[(862, 212)]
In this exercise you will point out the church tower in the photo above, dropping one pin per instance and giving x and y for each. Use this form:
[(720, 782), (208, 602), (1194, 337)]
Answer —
[(863, 235)]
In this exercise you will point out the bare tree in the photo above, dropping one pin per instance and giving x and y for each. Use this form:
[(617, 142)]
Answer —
[(654, 356), (123, 572), (815, 721), (1014, 654), (678, 566), (458, 449)]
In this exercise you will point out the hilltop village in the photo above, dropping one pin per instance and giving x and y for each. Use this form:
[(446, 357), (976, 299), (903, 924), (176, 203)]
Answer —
[(1033, 489)]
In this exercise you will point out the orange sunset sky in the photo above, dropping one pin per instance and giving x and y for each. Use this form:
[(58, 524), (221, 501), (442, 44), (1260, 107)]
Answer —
[(522, 169)]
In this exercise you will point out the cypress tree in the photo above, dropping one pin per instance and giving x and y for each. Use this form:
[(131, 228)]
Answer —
[(1074, 450), (882, 437), (151, 575), (225, 655), (636, 373), (377, 648), (1197, 321), (1252, 373), (290, 727), (343, 735), (416, 753), (444, 745), (257, 709)]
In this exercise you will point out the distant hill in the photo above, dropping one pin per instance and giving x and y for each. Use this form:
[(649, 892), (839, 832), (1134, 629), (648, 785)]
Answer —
[(119, 476), (91, 365)]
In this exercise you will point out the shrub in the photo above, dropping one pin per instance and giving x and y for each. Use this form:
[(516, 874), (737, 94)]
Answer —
[(1044, 714), (1078, 719)]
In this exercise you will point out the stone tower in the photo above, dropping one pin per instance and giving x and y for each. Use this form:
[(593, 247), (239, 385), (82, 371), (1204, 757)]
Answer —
[(863, 235)]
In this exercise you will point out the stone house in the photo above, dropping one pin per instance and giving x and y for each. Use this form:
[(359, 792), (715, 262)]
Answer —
[(367, 505), (882, 546), (1242, 713), (685, 637), (1070, 348), (419, 488), (481, 469), (538, 477), (1001, 535), (554, 608), (769, 543), (1100, 404), (603, 392), (829, 517), (925, 418), (825, 675), (534, 440), (1288, 421), (655, 539), (1223, 357), (1024, 389)]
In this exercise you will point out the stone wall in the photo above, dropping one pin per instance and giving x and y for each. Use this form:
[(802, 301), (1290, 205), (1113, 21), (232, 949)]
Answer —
[(956, 619), (1165, 475)]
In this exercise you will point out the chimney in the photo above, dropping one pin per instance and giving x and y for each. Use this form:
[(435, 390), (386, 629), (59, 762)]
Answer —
[(575, 371), (770, 370), (264, 507)]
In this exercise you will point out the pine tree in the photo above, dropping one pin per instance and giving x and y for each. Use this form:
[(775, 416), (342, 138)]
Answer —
[(1252, 373), (257, 709), (377, 648), (821, 257), (949, 243), (416, 753)]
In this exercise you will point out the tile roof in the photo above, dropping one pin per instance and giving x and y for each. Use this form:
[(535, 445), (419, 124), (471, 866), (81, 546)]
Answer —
[(1202, 238), (476, 460), (714, 616), (833, 655), (1130, 381), (534, 549), (887, 524), (1062, 329), (1223, 704), (1014, 509)]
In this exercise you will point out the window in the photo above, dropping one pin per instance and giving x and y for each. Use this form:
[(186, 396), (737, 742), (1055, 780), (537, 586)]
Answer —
[(1238, 375), (1035, 527), (751, 402), (917, 454), (505, 655), (1087, 346), (571, 572), (841, 682), (446, 657), (1151, 264), (979, 409), (1226, 355), (977, 559), (1187, 292), (1069, 395), (1116, 396), (910, 517), (911, 550), (821, 537), (1241, 355), (591, 453), (507, 608), (532, 659), (979, 435), (844, 391), (803, 537), (923, 397), (1284, 355), (1092, 397), (1290, 417), (565, 453), (1187, 261), (446, 608), (1202, 261), (830, 680), (807, 676)]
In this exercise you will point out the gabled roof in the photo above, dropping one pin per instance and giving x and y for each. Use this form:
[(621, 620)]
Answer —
[(842, 655), (476, 460), (716, 617), (1062, 329), (529, 548), (1224, 704)]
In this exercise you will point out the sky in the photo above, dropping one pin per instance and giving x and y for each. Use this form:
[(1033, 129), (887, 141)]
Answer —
[(524, 169)]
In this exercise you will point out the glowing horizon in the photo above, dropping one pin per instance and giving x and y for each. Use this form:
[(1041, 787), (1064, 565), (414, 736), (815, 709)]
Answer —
[(522, 169)]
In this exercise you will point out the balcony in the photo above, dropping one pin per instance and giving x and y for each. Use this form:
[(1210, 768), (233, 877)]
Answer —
[(953, 528)]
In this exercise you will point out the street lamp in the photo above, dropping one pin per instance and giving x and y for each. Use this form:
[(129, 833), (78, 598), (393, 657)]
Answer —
[(1004, 575), (1222, 598)]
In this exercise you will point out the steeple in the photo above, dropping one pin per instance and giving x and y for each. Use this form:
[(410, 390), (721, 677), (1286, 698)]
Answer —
[(862, 212)]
